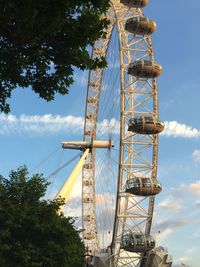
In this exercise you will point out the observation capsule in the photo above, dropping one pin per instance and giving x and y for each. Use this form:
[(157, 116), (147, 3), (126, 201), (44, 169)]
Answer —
[(142, 186), (137, 242), (135, 3), (140, 26), (145, 69), (145, 125)]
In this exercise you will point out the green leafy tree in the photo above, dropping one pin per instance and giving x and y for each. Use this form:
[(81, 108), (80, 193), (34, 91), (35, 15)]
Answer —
[(32, 231), (41, 41)]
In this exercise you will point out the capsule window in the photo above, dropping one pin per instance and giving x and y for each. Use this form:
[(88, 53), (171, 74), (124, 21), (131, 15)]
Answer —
[(146, 182), (142, 19), (142, 30), (133, 183), (133, 19), (149, 119), (156, 67), (147, 63), (139, 120), (157, 186)]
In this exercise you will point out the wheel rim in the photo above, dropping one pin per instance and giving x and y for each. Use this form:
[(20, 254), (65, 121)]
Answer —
[(137, 153)]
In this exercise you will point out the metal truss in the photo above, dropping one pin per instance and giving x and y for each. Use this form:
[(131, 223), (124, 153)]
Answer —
[(88, 172), (138, 153)]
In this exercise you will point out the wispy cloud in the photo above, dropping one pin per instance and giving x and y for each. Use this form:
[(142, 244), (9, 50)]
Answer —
[(197, 204), (195, 188), (48, 123), (170, 204), (39, 124), (173, 223), (162, 235), (176, 129), (165, 228), (196, 155), (190, 254)]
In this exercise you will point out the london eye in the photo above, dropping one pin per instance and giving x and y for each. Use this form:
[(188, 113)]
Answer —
[(120, 143)]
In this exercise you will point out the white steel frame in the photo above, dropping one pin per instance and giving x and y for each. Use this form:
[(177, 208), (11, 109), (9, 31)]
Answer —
[(138, 153)]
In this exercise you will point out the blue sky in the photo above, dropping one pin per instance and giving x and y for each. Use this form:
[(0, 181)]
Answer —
[(29, 139)]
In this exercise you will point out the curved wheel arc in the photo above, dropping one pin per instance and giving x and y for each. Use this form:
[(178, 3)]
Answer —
[(137, 152)]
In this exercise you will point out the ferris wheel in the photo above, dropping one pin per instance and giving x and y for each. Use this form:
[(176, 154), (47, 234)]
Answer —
[(120, 145)]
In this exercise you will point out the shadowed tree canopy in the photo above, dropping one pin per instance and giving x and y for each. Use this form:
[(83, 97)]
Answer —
[(32, 233), (41, 41)]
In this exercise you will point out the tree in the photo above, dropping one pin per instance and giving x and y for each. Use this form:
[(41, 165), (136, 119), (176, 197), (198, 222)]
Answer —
[(41, 41), (32, 231)]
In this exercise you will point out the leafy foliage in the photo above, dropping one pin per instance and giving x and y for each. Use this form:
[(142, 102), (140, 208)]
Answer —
[(32, 232), (41, 41)]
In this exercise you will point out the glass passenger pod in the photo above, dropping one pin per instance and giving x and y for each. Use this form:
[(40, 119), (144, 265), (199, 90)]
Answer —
[(137, 242), (145, 69), (142, 186), (135, 3), (145, 125), (140, 26)]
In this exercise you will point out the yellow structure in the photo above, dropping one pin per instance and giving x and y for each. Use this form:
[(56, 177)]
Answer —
[(68, 186)]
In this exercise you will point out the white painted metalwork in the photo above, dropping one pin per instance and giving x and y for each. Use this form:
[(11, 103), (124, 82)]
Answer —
[(137, 153)]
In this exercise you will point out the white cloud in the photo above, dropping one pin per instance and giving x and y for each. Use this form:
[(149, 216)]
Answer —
[(195, 188), (160, 236), (107, 126), (39, 124), (48, 123), (175, 129), (178, 193), (196, 155), (174, 200), (163, 229), (170, 205), (197, 203), (190, 254)]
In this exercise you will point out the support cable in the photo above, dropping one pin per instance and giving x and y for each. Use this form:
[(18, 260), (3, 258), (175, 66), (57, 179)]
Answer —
[(63, 166), (45, 160)]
